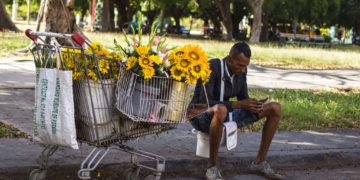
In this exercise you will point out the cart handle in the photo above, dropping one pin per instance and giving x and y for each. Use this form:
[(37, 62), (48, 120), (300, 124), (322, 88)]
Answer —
[(30, 35), (76, 37)]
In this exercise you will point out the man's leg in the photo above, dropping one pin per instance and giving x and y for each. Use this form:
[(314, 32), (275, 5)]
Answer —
[(272, 112), (219, 113)]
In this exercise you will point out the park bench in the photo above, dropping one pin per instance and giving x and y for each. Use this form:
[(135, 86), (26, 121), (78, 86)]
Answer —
[(303, 40)]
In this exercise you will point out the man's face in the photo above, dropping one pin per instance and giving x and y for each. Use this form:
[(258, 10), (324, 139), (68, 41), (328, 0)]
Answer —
[(238, 64)]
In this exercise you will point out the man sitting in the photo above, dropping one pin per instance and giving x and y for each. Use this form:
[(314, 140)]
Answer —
[(245, 110)]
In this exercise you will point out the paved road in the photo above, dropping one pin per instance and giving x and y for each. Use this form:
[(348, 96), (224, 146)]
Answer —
[(343, 173), (19, 73)]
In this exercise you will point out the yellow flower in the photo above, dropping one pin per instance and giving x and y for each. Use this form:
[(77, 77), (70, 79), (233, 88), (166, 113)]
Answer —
[(190, 79), (206, 76), (179, 52), (197, 70), (97, 46), (103, 66), (156, 59), (195, 53), (92, 75), (148, 72), (142, 50), (130, 63), (184, 64), (114, 55), (176, 73), (76, 75), (176, 55), (145, 62)]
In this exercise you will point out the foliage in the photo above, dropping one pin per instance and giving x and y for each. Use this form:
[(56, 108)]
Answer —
[(350, 13)]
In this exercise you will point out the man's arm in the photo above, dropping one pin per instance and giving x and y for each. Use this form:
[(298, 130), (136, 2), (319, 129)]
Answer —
[(244, 101)]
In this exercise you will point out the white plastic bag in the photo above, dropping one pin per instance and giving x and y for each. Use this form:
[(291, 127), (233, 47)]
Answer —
[(229, 137), (54, 121)]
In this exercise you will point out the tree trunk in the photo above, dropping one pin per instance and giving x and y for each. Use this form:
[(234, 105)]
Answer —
[(28, 12), (122, 13), (265, 29), (256, 7), (237, 16), (5, 21), (112, 14), (357, 27), (162, 13), (59, 18), (224, 6), (177, 24), (105, 18)]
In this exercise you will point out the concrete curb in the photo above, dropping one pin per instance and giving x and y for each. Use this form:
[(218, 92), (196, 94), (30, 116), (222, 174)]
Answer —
[(196, 167)]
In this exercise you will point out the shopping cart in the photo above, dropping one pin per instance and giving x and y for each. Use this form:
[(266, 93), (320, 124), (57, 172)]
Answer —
[(160, 102)]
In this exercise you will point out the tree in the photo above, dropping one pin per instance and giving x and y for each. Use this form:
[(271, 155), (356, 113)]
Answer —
[(209, 11), (240, 10), (107, 24), (224, 6), (5, 21), (177, 9), (256, 7), (350, 15)]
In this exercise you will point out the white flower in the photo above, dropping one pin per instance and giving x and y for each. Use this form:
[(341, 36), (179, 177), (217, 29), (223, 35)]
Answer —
[(162, 55), (167, 64), (124, 59), (154, 49), (131, 49)]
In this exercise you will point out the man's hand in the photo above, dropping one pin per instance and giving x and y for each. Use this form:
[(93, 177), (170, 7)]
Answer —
[(250, 104), (194, 110)]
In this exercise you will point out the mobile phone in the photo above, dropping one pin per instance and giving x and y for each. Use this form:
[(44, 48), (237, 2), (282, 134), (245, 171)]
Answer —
[(263, 100)]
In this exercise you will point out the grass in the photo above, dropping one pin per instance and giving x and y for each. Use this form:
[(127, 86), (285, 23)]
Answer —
[(320, 109), (10, 42), (264, 54), (268, 54), (7, 131)]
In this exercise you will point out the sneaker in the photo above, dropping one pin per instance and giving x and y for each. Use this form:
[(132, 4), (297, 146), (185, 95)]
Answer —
[(213, 173), (265, 169)]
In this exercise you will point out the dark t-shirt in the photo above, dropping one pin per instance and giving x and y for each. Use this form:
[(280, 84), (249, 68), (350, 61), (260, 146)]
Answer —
[(236, 89)]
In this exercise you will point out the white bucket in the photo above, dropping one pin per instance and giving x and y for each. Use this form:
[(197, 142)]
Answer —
[(202, 145)]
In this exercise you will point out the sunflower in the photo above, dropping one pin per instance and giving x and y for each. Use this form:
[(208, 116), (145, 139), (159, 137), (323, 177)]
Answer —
[(176, 73), (148, 72), (176, 55), (130, 63), (197, 70), (145, 62), (195, 53), (142, 50), (184, 64), (206, 76), (190, 79), (156, 59)]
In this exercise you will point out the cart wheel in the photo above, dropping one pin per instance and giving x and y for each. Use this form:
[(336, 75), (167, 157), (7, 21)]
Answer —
[(37, 174), (132, 173)]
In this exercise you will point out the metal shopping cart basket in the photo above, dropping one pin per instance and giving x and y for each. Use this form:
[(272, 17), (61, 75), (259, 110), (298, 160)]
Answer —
[(144, 107)]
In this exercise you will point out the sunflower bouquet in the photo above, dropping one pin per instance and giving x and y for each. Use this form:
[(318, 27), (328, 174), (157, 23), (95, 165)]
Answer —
[(145, 58), (101, 63), (189, 64)]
